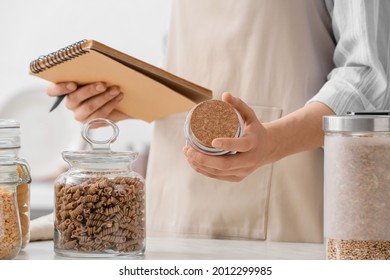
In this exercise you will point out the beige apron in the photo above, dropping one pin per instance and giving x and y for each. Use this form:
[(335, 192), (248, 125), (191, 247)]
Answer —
[(274, 55)]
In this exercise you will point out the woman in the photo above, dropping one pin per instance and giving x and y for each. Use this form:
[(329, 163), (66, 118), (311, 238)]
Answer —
[(288, 63)]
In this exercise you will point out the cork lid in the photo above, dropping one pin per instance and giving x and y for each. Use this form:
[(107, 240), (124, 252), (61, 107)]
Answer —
[(213, 119)]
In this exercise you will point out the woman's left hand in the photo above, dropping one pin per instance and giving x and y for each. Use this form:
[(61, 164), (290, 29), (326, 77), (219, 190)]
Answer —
[(252, 149)]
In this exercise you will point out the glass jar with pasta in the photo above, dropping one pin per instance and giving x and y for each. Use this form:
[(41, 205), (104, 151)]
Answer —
[(99, 201), (10, 144)]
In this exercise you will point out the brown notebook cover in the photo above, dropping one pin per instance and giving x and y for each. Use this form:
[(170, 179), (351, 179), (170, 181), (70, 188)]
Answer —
[(150, 93)]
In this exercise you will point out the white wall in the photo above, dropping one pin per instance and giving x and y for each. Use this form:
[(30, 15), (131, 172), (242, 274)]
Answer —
[(29, 29), (32, 28)]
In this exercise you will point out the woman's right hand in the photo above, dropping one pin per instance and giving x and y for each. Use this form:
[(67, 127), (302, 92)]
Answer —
[(91, 101)]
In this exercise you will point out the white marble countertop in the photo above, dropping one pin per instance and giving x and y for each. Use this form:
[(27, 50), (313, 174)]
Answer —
[(200, 249), (180, 248)]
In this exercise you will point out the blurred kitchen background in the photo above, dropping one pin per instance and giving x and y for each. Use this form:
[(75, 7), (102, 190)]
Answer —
[(29, 29)]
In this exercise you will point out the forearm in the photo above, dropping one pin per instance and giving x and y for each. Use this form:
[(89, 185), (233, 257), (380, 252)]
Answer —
[(261, 143), (296, 132)]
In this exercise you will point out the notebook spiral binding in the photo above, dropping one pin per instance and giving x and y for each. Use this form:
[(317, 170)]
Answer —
[(64, 54)]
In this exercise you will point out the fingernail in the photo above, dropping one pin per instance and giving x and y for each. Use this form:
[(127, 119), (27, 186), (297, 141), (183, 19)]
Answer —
[(114, 91), (119, 97), (190, 153), (216, 143), (71, 86), (100, 87)]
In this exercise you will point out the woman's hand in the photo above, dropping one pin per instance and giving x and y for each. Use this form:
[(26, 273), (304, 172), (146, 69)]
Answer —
[(264, 143), (94, 100), (251, 147)]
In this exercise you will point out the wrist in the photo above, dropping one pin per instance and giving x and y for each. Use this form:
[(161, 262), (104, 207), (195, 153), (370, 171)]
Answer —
[(273, 143), (296, 132)]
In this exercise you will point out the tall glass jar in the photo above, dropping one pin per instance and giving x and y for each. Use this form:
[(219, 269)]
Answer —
[(357, 186), (10, 231), (9, 153), (99, 201)]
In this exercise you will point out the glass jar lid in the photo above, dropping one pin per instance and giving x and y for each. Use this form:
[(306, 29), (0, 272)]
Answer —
[(100, 152), (9, 134), (358, 122), (4, 123)]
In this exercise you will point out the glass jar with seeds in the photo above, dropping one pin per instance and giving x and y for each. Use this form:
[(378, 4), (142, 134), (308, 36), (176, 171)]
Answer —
[(357, 186), (10, 144), (10, 230), (209, 120), (99, 201)]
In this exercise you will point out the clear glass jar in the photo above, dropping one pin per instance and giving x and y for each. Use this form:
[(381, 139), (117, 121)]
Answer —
[(9, 153), (357, 187), (10, 231), (99, 202), (209, 120)]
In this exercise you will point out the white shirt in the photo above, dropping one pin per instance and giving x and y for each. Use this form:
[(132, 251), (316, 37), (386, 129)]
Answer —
[(360, 78)]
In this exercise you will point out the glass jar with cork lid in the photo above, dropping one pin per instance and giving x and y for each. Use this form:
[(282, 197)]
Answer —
[(209, 120), (357, 186), (99, 201)]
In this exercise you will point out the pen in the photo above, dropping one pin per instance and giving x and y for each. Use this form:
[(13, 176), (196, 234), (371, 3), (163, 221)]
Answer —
[(57, 102)]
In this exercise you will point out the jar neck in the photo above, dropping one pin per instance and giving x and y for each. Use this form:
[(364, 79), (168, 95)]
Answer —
[(9, 187), (9, 152), (99, 167), (9, 135), (9, 176)]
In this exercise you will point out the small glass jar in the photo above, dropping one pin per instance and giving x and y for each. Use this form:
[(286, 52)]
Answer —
[(99, 201), (357, 187), (10, 231), (9, 153), (209, 120)]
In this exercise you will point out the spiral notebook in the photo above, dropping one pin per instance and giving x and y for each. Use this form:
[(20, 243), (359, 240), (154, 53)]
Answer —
[(150, 93)]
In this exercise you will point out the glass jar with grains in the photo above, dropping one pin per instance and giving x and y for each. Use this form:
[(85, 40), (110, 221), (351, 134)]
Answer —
[(357, 186), (99, 201), (10, 231), (209, 120), (9, 153)]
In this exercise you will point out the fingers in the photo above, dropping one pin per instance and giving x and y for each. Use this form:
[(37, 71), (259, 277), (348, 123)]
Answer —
[(90, 101), (228, 178), (76, 96), (245, 111), (99, 106), (85, 93), (61, 88), (227, 163), (242, 144), (246, 142), (232, 175)]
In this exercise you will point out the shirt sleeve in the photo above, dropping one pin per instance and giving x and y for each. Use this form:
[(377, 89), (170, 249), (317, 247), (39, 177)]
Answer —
[(360, 78)]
